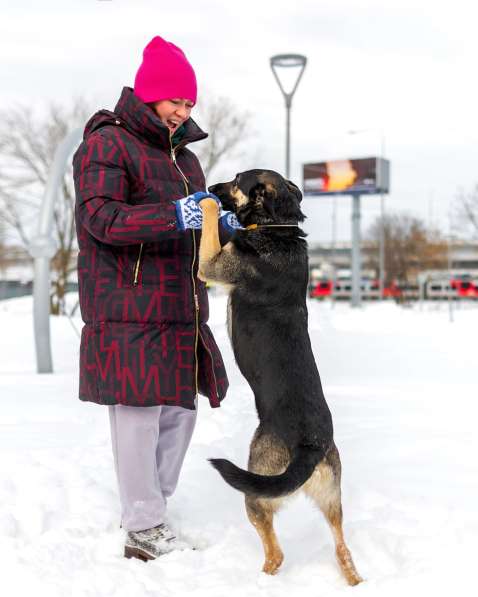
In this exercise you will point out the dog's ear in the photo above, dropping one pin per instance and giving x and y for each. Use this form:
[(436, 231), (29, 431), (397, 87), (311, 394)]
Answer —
[(263, 195), (294, 189), (290, 205)]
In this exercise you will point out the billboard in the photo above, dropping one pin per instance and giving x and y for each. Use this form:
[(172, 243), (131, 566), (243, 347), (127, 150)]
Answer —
[(347, 177)]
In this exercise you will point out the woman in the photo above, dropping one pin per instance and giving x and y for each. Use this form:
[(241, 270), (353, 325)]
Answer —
[(146, 350)]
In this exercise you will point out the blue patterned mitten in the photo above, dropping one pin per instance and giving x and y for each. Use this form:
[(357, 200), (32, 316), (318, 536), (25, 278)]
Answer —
[(188, 212), (229, 222)]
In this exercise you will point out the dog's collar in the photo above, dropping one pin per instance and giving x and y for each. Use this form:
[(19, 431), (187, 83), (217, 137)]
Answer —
[(254, 226)]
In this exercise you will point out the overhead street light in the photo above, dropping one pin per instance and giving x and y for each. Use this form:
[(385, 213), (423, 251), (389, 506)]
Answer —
[(284, 64)]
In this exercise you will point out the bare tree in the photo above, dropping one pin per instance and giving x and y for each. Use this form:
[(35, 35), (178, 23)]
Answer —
[(27, 147), (466, 209), (227, 128), (409, 247)]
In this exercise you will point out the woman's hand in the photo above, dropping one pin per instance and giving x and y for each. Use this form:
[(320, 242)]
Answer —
[(188, 212), (229, 222), (201, 195)]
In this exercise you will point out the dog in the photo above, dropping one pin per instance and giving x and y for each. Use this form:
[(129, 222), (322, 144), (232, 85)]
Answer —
[(265, 267)]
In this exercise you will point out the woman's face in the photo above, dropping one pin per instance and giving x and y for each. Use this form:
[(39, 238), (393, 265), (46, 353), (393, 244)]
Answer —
[(173, 112)]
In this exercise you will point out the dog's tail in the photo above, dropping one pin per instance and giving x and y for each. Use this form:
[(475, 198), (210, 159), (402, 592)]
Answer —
[(299, 470)]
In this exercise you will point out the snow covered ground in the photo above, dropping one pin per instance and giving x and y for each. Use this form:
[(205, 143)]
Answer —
[(402, 387)]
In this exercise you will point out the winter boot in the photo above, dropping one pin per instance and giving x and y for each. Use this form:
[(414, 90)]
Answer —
[(152, 543)]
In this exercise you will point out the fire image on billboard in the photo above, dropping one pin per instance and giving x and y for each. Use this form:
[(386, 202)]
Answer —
[(347, 177)]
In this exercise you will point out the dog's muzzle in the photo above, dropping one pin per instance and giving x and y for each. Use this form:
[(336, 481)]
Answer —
[(222, 192)]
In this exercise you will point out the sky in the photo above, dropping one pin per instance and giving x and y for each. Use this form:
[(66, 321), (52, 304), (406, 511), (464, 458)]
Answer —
[(401, 72)]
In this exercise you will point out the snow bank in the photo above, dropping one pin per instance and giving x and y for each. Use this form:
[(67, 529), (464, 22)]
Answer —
[(402, 386)]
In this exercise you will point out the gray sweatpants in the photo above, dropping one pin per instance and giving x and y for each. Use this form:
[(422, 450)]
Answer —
[(149, 445)]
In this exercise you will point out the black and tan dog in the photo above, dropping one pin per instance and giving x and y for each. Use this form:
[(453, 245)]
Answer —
[(265, 267)]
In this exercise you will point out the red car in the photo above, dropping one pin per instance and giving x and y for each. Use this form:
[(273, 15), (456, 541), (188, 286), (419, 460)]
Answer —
[(465, 288), (321, 289)]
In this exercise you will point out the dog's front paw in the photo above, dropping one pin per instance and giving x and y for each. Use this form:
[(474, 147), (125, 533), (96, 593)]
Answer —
[(209, 204)]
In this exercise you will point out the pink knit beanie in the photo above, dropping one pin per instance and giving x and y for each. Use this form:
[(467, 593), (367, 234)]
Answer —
[(165, 73)]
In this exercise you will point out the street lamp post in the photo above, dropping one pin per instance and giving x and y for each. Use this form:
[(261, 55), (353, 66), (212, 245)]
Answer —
[(288, 61)]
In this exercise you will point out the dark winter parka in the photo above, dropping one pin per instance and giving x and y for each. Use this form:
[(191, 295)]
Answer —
[(145, 340)]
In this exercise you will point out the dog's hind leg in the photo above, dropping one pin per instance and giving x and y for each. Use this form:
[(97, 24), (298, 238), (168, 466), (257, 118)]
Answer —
[(261, 514), (324, 489), (268, 456)]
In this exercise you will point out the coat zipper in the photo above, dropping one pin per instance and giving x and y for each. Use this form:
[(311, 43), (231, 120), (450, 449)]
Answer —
[(196, 299), (136, 266)]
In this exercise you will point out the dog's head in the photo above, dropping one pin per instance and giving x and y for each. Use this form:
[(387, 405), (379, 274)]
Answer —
[(261, 197)]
